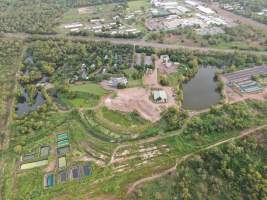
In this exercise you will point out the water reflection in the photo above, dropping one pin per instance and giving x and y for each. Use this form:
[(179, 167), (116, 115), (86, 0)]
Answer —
[(200, 92)]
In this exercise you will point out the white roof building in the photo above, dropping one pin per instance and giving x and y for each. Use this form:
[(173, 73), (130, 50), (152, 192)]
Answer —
[(160, 96), (192, 3), (182, 9), (114, 82), (205, 10), (73, 25)]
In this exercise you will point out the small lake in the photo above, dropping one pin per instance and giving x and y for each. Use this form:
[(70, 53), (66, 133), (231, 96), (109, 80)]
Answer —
[(23, 107), (200, 92)]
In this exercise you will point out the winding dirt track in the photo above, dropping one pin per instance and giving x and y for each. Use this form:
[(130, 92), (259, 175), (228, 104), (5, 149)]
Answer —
[(180, 160)]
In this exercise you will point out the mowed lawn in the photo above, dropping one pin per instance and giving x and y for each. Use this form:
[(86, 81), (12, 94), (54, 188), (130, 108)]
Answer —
[(85, 95), (90, 88)]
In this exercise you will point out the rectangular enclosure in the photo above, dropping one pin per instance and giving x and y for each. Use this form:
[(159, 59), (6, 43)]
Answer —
[(44, 151), (49, 180), (34, 164), (75, 173), (87, 170), (62, 162), (63, 150), (63, 176)]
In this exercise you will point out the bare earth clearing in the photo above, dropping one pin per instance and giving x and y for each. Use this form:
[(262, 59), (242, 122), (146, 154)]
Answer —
[(235, 96), (138, 98)]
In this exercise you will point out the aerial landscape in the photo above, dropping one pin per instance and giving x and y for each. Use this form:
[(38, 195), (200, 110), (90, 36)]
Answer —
[(133, 100)]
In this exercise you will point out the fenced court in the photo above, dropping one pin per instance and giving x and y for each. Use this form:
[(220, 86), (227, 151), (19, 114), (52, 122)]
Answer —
[(63, 177), (74, 173), (28, 157), (49, 180), (44, 151), (32, 165), (63, 150), (62, 162)]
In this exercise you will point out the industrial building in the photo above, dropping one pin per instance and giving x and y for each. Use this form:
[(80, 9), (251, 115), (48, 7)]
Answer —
[(242, 80)]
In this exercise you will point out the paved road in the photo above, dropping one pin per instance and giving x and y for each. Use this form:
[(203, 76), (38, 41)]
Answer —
[(138, 42)]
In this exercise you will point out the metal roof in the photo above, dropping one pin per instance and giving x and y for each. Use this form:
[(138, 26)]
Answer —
[(161, 94)]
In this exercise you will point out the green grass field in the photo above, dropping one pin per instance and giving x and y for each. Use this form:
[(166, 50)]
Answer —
[(123, 119), (81, 100), (138, 5), (98, 11), (73, 15), (90, 88), (84, 96), (123, 123)]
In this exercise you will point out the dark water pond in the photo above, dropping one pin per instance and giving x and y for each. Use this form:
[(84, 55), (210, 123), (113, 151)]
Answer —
[(23, 107), (200, 92)]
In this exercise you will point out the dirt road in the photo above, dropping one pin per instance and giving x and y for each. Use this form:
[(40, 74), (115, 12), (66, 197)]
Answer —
[(172, 169)]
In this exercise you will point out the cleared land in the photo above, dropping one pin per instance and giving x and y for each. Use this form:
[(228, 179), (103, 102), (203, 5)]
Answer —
[(135, 99), (139, 99)]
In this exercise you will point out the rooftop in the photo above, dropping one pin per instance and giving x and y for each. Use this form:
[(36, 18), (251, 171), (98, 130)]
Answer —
[(159, 95)]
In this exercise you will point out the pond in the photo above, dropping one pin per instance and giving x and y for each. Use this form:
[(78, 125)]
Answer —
[(23, 107), (200, 92)]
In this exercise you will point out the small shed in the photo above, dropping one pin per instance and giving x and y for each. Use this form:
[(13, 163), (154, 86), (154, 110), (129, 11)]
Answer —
[(165, 58), (120, 80), (160, 96)]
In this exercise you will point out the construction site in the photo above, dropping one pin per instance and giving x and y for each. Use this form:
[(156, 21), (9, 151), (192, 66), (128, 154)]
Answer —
[(149, 101)]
